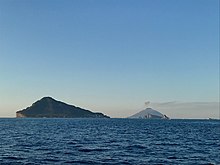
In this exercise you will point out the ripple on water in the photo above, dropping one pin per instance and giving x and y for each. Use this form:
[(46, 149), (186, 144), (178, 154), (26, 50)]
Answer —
[(113, 141)]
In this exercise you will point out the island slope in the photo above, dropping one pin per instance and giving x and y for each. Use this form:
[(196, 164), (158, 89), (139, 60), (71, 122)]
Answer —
[(50, 108)]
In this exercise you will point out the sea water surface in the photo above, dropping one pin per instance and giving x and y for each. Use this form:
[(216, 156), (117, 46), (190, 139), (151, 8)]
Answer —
[(109, 141)]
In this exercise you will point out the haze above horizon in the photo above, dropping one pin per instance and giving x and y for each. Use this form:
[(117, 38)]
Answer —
[(111, 56)]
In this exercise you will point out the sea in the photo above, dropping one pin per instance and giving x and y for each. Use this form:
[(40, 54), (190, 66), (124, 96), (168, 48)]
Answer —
[(109, 141)]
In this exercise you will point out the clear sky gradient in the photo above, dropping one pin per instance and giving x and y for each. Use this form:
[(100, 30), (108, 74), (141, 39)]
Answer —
[(110, 55)]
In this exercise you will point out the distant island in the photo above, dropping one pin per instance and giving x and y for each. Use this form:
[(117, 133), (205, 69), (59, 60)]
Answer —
[(48, 107), (149, 113)]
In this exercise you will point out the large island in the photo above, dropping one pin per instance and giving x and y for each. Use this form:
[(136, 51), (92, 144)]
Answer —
[(48, 107)]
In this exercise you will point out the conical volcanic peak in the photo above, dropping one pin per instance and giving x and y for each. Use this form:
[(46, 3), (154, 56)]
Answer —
[(149, 113), (48, 98), (51, 108)]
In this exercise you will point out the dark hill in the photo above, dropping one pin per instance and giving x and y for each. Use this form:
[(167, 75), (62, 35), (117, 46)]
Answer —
[(51, 108)]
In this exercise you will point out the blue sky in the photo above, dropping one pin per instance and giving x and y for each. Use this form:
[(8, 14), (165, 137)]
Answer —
[(109, 56)]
